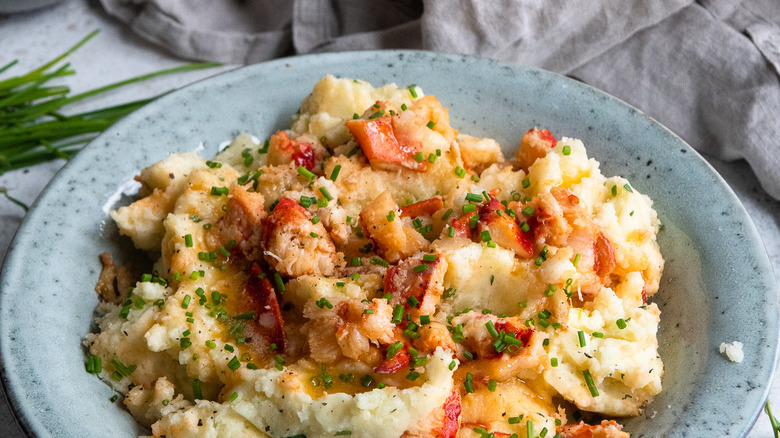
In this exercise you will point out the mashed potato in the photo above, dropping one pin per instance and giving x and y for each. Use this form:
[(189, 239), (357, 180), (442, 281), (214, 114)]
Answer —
[(372, 272)]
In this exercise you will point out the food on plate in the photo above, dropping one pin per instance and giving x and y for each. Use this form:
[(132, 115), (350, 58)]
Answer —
[(373, 272)]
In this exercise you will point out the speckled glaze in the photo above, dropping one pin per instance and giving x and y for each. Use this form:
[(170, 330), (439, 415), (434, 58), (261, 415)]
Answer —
[(717, 287)]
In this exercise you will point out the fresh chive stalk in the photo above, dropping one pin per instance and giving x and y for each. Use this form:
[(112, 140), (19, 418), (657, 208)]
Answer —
[(33, 128)]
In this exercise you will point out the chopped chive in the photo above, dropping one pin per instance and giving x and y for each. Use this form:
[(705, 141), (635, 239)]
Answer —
[(122, 369), (412, 376), (355, 276), (379, 261), (313, 234), (460, 172), (452, 365), (581, 336), (567, 150), (225, 253), (446, 215), (355, 261), (398, 314), (473, 197), (335, 173), (514, 420), (485, 236), (211, 344), (491, 328), (491, 244), (589, 381), (394, 348), (315, 220), (529, 428), (94, 365), (413, 301), (621, 323), (528, 211), (420, 268), (323, 302), (368, 311), (185, 302), (412, 90), (279, 282), (429, 257), (554, 362), (469, 208), (391, 216), (450, 231), (431, 158), (425, 319), (597, 334), (614, 190), (379, 113), (188, 240), (491, 385), (264, 149), (197, 392), (326, 193), (473, 221), (577, 258), (233, 396), (303, 171), (219, 191), (468, 383), (431, 124), (419, 157)]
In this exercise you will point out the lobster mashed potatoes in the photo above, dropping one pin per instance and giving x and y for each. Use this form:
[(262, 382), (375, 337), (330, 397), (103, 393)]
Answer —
[(373, 272)]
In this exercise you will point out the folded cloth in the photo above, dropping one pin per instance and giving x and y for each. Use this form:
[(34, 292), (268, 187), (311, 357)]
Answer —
[(709, 70)]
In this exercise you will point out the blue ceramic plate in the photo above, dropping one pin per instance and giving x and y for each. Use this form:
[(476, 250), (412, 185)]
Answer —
[(717, 287)]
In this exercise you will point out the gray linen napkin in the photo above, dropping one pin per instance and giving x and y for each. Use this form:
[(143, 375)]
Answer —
[(708, 70)]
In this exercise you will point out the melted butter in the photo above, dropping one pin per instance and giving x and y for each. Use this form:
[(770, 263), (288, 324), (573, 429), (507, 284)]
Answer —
[(347, 380)]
